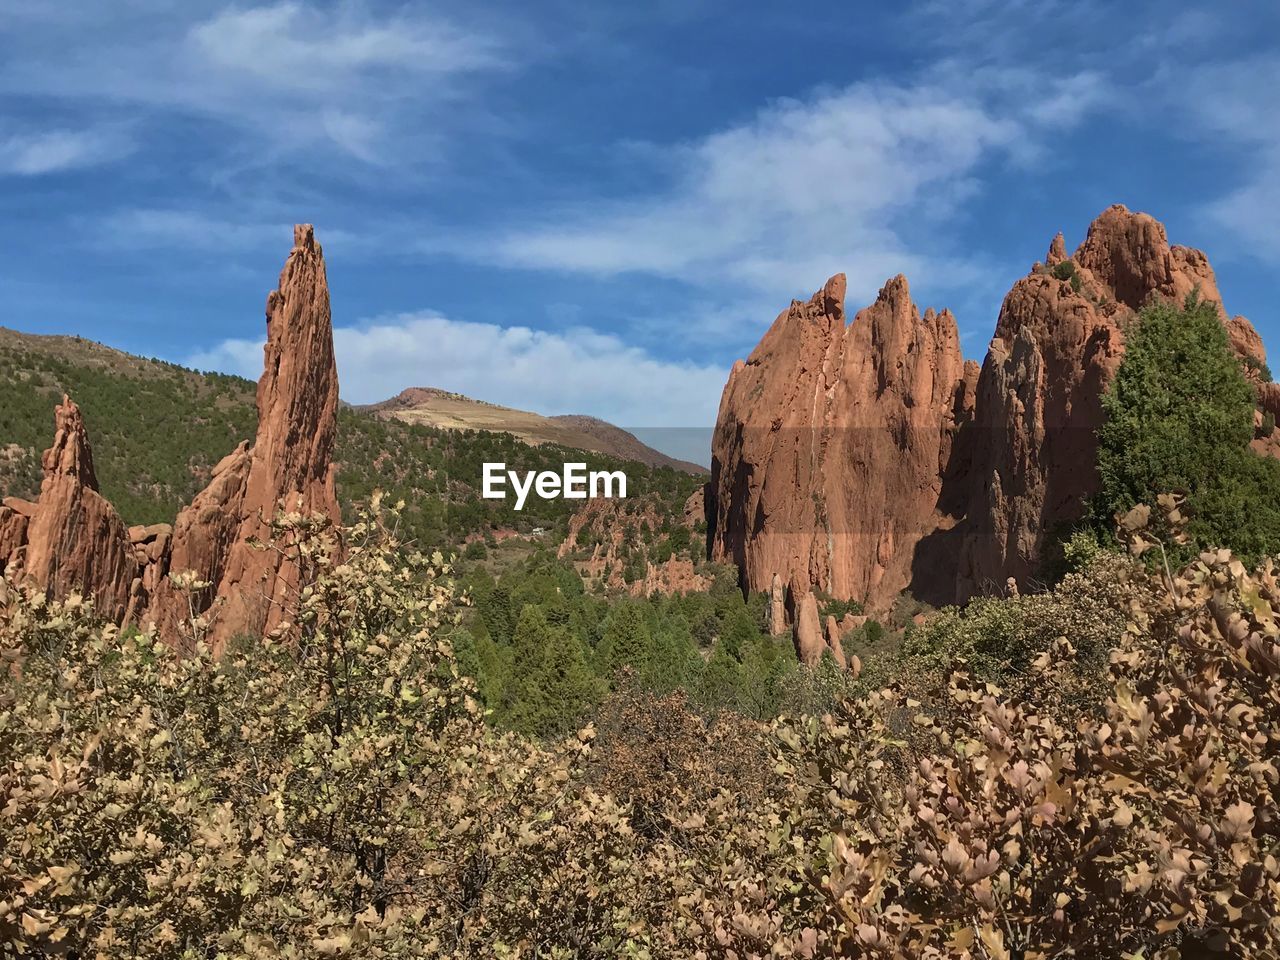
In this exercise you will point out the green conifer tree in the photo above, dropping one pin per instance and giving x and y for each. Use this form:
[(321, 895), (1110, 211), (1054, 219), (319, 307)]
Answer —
[(720, 679), (551, 685), (1179, 418), (673, 662), (627, 641)]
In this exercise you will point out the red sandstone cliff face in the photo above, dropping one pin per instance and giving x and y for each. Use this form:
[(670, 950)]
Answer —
[(867, 459), (833, 442), (289, 467), (1057, 344), (15, 515), (71, 539)]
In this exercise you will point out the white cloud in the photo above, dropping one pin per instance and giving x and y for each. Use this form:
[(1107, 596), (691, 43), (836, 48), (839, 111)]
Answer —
[(810, 188), (291, 47), (1249, 213), (52, 151), (146, 228), (575, 371), (359, 79), (1235, 103)]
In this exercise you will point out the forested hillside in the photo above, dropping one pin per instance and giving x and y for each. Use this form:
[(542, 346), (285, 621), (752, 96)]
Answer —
[(158, 429)]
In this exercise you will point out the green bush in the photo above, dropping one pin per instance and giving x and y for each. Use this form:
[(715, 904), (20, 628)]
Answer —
[(1179, 417), (1259, 367), (838, 609), (1066, 270)]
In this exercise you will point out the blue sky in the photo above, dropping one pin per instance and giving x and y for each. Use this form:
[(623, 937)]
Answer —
[(596, 208)]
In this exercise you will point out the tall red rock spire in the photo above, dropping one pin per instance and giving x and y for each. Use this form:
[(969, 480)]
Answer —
[(289, 466)]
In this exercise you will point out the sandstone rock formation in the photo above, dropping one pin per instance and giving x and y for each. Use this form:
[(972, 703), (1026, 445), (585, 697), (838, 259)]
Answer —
[(151, 545), (608, 525), (833, 442), (866, 459), (833, 641), (777, 607), (15, 515), (1058, 341), (201, 542), (71, 539), (289, 467), (809, 640)]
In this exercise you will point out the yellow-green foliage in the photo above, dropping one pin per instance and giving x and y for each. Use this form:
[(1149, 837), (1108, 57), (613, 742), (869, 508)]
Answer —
[(334, 792)]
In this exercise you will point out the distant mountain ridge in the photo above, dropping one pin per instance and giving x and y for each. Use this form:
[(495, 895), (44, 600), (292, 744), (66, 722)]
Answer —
[(443, 409)]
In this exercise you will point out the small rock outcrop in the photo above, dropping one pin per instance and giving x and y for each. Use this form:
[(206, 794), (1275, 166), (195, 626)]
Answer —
[(70, 539), (613, 529), (777, 607), (15, 515), (833, 641), (809, 640)]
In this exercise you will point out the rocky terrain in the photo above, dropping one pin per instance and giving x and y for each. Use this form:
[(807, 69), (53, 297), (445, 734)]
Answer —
[(442, 409), (640, 546), (72, 539), (866, 458)]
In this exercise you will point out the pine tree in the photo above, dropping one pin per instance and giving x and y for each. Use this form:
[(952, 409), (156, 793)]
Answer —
[(766, 662), (551, 685), (673, 662), (720, 679), (569, 688), (627, 641), (740, 632)]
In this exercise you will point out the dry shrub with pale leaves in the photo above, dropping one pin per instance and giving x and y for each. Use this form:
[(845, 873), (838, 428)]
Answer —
[(334, 791)]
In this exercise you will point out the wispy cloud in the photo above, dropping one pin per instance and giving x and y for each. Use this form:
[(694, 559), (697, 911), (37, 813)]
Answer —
[(811, 187), (146, 228), (292, 73), (32, 153), (1231, 102), (291, 47), (575, 371)]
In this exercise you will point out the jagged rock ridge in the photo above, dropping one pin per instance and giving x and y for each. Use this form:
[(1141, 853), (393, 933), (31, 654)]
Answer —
[(866, 459), (833, 442)]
